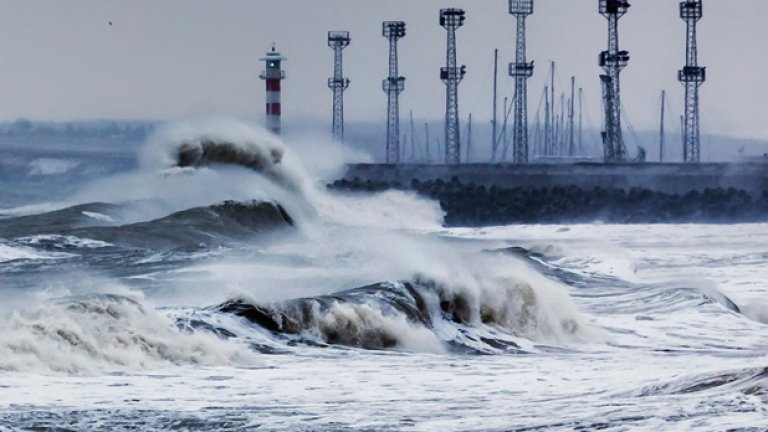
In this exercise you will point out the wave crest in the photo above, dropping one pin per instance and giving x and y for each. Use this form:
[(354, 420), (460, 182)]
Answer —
[(202, 150), (422, 315), (87, 335), (218, 141)]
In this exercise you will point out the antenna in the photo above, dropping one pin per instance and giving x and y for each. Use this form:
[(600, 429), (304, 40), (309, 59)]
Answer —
[(692, 76), (393, 86), (613, 61), (521, 71), (338, 40), (452, 19)]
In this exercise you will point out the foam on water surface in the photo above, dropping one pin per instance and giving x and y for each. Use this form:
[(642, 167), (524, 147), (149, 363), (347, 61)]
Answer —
[(531, 327)]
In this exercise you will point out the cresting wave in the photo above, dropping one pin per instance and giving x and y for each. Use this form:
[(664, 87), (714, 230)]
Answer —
[(420, 315), (72, 228), (460, 302), (219, 142), (90, 334)]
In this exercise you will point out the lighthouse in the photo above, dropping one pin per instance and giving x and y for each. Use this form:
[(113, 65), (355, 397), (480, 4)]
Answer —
[(273, 74)]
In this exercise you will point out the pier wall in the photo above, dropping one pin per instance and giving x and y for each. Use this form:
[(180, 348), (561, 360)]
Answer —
[(667, 178)]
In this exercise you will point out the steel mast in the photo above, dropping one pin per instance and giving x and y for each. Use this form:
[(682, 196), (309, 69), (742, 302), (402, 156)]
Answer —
[(393, 86), (452, 19), (521, 71), (692, 76), (338, 40), (613, 61)]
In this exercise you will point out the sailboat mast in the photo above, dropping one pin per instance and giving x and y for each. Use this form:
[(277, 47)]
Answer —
[(552, 122), (469, 137), (413, 135), (561, 125), (571, 142), (504, 129), (581, 130), (494, 141), (661, 126), (547, 124)]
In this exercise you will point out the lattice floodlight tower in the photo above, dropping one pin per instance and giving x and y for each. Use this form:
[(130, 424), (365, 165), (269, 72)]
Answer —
[(452, 19), (393, 86), (613, 61), (273, 74), (338, 40), (521, 71), (692, 76)]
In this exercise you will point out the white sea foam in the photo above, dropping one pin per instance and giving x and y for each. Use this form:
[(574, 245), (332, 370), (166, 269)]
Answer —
[(49, 166), (93, 334), (98, 216), (63, 242), (645, 290), (253, 145), (30, 209), (13, 253), (366, 325), (8, 253)]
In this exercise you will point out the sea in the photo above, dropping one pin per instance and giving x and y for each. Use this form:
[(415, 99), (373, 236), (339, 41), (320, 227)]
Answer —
[(219, 285)]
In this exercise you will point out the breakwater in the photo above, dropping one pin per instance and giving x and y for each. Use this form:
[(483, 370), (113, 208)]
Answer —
[(479, 195)]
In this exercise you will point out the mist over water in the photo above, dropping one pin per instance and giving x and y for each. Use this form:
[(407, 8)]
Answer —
[(223, 258), (336, 242)]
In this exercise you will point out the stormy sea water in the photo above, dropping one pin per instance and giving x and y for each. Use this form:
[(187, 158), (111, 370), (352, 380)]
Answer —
[(220, 286)]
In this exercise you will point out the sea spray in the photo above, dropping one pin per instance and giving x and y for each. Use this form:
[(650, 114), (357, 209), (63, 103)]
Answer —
[(96, 333), (490, 315), (345, 240), (211, 141)]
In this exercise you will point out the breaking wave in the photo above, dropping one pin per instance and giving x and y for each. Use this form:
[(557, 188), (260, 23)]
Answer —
[(91, 334), (86, 335), (420, 315), (10, 253), (218, 142), (462, 300)]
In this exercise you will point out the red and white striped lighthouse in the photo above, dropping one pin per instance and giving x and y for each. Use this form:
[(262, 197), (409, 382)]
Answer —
[(273, 74)]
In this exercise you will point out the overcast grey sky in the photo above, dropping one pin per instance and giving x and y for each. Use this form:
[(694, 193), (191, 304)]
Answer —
[(169, 59)]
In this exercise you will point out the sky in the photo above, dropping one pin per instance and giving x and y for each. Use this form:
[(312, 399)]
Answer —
[(176, 59)]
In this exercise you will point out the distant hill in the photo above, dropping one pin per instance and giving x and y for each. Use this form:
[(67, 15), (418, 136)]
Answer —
[(112, 129)]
